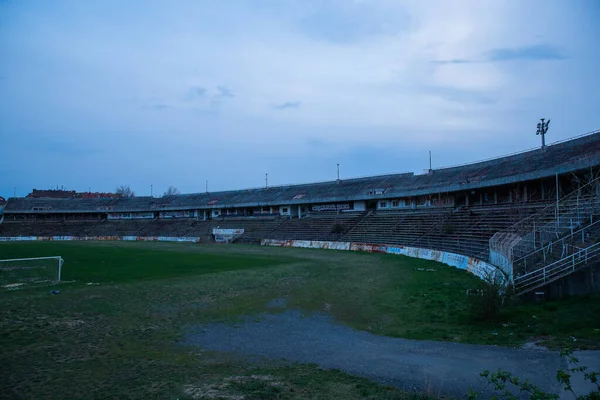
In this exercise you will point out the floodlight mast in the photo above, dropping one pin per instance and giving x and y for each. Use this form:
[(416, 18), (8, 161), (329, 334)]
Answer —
[(542, 128)]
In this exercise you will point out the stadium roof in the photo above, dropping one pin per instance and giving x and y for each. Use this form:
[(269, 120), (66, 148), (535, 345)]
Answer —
[(567, 156)]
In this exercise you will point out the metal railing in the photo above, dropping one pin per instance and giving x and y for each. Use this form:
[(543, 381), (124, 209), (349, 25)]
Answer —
[(557, 270), (564, 245), (572, 212)]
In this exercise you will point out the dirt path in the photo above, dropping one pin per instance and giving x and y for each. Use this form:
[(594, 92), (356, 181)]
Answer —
[(437, 368)]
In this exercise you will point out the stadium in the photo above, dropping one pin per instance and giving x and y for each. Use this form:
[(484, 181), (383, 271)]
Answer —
[(526, 220), (140, 283), (530, 216)]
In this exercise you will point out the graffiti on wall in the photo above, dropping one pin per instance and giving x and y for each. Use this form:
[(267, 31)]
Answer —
[(331, 207), (177, 214), (226, 235), (142, 215), (477, 267)]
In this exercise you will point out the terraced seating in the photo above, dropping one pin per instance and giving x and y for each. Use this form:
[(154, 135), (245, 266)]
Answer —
[(468, 230), (166, 227), (47, 228), (317, 226), (400, 227), (256, 230), (464, 230)]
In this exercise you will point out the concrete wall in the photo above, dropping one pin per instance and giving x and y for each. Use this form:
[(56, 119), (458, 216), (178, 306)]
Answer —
[(501, 261), (477, 267), (360, 205), (583, 282)]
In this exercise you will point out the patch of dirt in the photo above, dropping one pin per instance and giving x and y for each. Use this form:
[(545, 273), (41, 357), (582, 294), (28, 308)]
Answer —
[(224, 389), (535, 345), (13, 285), (212, 391), (263, 378), (68, 323)]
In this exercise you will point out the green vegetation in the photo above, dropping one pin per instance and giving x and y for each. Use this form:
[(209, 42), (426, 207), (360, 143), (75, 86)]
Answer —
[(119, 339), (90, 262), (510, 387)]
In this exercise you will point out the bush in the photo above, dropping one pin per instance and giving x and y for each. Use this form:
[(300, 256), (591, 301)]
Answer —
[(506, 384), (486, 303)]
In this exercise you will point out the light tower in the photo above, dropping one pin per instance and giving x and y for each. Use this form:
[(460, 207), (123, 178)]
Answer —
[(542, 128)]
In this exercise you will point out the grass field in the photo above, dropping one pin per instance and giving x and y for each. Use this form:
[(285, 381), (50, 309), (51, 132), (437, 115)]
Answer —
[(119, 338)]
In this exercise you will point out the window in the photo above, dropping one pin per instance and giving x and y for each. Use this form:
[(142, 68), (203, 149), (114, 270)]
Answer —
[(395, 203), (301, 209), (284, 210), (383, 204)]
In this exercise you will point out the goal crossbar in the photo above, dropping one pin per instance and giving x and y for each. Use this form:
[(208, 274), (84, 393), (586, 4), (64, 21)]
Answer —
[(59, 258)]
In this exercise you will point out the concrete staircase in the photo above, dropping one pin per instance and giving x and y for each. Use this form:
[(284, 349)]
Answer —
[(540, 277)]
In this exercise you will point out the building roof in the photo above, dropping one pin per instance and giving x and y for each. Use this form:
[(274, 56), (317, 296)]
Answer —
[(567, 156)]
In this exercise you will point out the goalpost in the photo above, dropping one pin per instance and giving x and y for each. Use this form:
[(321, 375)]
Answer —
[(17, 272)]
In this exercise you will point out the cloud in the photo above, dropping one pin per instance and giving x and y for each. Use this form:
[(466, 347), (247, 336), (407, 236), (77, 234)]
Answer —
[(287, 104), (462, 96), (540, 52), (195, 92), (224, 92)]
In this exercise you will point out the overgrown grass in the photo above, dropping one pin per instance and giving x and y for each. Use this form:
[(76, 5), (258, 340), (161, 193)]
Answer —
[(122, 263), (120, 339)]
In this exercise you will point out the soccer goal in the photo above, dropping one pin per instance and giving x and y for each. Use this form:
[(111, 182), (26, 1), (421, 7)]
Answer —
[(18, 272)]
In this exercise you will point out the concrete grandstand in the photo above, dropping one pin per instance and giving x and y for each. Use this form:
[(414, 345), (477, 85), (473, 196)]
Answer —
[(472, 210)]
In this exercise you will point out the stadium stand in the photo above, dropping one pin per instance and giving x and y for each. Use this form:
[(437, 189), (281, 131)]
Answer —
[(501, 210), (324, 226)]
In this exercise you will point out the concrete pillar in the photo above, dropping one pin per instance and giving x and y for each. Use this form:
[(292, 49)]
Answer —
[(299, 212), (204, 215), (495, 196), (543, 191), (467, 199), (480, 198)]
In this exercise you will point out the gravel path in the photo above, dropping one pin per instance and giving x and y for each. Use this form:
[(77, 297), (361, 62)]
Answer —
[(433, 367)]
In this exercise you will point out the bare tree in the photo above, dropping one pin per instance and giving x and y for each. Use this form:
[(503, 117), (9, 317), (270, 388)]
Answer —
[(171, 191), (124, 191)]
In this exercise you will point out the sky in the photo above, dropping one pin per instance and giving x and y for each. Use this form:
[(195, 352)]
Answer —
[(97, 94)]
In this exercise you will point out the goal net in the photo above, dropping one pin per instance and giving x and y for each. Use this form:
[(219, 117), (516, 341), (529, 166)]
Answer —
[(19, 272)]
